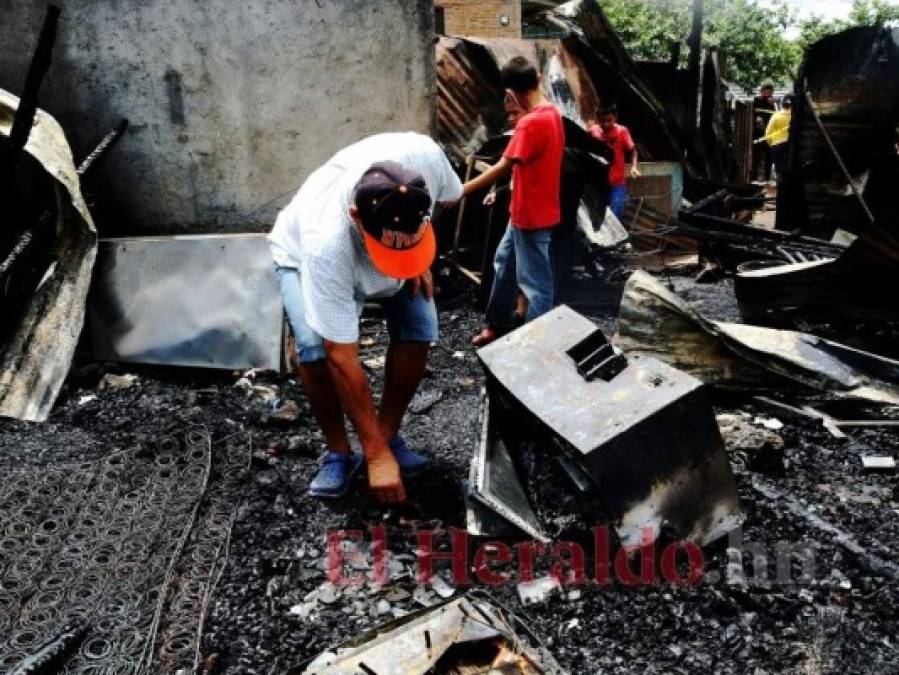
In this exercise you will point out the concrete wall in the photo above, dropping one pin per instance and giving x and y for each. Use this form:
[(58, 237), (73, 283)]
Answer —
[(481, 18), (231, 103)]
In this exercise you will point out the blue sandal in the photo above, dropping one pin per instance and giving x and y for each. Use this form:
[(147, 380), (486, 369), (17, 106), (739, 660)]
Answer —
[(335, 476), (411, 463)]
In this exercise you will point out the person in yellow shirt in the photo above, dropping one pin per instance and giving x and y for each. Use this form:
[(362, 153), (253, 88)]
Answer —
[(777, 135)]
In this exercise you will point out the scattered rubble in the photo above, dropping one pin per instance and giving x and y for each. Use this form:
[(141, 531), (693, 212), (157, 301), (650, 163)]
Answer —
[(764, 454), (113, 381), (750, 444), (280, 533)]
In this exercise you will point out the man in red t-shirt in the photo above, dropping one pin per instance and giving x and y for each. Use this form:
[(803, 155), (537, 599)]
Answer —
[(619, 139), (534, 157)]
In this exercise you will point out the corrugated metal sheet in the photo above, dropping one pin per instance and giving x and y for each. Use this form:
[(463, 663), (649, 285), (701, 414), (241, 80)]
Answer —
[(469, 96), (470, 111)]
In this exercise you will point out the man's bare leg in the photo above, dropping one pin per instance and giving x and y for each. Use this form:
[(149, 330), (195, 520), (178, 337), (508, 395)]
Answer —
[(325, 403), (403, 371)]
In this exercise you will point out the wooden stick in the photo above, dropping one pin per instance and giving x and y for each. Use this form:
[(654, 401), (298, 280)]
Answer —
[(469, 167), (473, 276)]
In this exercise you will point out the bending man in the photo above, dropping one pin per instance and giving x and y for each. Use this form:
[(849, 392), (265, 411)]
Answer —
[(360, 229)]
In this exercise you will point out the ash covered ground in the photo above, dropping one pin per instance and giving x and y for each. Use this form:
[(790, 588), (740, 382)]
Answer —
[(272, 608)]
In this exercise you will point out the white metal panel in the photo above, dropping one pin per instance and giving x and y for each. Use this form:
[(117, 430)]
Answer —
[(198, 300)]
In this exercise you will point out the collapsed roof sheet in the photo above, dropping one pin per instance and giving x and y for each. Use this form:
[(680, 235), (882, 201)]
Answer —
[(655, 322), (35, 360), (617, 80)]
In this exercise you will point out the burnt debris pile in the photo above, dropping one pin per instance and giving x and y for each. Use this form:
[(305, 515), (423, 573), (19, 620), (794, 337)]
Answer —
[(688, 465)]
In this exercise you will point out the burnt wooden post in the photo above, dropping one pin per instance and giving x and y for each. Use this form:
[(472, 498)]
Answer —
[(695, 44)]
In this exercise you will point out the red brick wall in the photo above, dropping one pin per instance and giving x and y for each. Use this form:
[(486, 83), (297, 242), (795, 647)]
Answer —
[(481, 18)]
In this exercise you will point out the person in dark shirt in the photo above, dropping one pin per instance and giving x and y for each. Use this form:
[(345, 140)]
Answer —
[(761, 152)]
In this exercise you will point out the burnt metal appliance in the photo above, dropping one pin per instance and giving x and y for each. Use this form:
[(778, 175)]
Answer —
[(643, 431)]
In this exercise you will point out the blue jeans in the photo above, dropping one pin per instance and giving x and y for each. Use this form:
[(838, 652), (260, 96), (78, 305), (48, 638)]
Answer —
[(521, 262), (617, 199), (561, 254), (409, 318)]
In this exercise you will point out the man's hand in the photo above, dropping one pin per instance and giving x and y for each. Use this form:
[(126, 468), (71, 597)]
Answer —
[(635, 172), (499, 170), (384, 480), (490, 198), (424, 285), (355, 398)]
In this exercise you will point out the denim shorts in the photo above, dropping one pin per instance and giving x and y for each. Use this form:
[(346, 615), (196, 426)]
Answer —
[(410, 318)]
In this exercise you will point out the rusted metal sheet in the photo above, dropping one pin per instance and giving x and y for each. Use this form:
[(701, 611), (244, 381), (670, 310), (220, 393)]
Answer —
[(852, 81), (469, 97), (587, 67), (646, 436), (471, 118), (714, 125)]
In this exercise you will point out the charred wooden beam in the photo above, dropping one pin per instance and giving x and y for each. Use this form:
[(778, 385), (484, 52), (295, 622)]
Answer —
[(11, 150), (706, 202), (695, 58)]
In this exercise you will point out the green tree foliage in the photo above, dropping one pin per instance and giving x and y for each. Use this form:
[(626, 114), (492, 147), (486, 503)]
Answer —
[(873, 12), (752, 35), (648, 29), (862, 13), (753, 38)]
